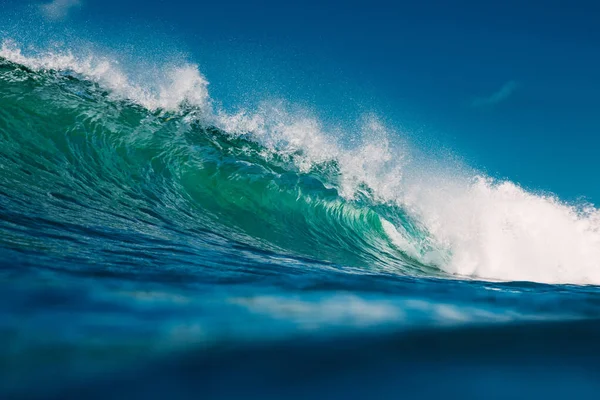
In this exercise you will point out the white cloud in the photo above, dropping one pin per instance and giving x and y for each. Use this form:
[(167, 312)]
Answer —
[(59, 9), (499, 96)]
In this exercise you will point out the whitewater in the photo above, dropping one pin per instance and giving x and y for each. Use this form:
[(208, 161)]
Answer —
[(141, 222)]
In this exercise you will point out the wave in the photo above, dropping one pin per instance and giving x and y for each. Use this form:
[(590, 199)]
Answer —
[(85, 144)]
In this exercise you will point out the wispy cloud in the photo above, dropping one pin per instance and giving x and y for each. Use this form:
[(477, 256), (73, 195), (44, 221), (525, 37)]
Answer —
[(59, 9), (497, 97)]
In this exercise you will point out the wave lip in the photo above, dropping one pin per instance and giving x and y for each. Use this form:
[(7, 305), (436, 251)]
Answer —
[(168, 89)]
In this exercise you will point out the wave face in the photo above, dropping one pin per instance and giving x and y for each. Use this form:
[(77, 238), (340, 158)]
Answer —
[(94, 162), (80, 163)]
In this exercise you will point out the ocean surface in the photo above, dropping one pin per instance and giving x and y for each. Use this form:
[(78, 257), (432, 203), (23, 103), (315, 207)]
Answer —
[(153, 245)]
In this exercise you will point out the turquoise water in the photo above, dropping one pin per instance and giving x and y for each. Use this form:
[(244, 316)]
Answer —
[(152, 245)]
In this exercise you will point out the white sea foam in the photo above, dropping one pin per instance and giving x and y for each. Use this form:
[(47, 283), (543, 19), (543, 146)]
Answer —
[(497, 230), (171, 87), (478, 227)]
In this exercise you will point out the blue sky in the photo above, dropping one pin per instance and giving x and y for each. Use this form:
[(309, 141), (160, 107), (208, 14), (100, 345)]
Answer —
[(511, 86)]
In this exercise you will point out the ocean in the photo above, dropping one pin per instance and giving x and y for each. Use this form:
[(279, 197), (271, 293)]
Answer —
[(154, 245)]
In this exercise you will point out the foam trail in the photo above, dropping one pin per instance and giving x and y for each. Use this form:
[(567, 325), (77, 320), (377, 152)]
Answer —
[(474, 226)]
